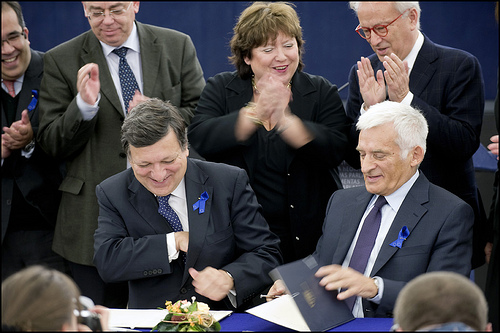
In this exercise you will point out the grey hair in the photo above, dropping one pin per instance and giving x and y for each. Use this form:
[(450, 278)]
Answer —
[(400, 6), (149, 122), (410, 125)]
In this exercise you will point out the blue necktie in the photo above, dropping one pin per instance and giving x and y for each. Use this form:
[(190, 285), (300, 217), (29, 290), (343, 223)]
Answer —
[(167, 212), (127, 78), (365, 242), (172, 218)]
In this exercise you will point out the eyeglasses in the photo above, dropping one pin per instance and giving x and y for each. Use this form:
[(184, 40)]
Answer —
[(99, 16), (379, 29), (14, 38)]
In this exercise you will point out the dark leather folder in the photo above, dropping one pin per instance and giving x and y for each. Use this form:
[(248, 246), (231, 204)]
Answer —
[(320, 308)]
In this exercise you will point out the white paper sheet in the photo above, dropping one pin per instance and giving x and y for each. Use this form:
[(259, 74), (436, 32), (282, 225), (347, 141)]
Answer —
[(282, 311), (146, 318)]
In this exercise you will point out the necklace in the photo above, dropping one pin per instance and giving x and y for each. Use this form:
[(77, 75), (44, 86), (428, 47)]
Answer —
[(254, 85)]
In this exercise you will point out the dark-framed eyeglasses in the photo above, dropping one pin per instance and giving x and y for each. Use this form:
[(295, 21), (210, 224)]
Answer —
[(98, 16), (14, 38), (379, 29)]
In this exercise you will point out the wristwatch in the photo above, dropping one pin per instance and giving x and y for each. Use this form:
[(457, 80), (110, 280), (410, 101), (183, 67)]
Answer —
[(29, 146)]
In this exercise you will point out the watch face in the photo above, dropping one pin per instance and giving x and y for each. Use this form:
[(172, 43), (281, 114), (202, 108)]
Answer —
[(29, 146)]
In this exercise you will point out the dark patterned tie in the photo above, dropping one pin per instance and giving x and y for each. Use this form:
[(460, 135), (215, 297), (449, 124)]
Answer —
[(365, 242), (127, 78), (172, 218), (167, 212)]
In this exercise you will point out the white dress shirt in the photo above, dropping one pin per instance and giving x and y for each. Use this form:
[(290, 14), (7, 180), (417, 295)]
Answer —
[(178, 203)]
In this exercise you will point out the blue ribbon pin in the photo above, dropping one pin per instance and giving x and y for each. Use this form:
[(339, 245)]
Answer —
[(403, 234), (34, 100), (201, 203)]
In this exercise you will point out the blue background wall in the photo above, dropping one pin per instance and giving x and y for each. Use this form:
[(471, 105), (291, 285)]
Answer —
[(332, 46)]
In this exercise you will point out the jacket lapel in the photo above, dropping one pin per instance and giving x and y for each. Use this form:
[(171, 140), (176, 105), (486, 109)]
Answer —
[(351, 220), (146, 205), (423, 69), (150, 58), (195, 181), (32, 79), (409, 214), (92, 52)]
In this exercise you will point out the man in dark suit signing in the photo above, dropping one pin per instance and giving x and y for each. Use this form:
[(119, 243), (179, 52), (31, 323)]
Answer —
[(209, 240), (446, 84), (90, 83), (420, 227)]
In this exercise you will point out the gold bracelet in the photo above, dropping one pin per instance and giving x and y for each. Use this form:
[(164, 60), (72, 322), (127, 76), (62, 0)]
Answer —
[(251, 114)]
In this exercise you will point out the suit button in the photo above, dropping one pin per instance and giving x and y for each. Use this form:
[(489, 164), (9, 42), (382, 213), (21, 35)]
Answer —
[(9, 202), (183, 290), (122, 155), (292, 207), (297, 238), (160, 270), (145, 273), (155, 271)]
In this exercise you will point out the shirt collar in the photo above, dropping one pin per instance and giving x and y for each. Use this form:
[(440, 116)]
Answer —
[(180, 190), (132, 43), (412, 56)]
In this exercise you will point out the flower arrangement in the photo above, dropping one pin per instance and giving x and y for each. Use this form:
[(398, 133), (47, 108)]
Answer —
[(185, 316)]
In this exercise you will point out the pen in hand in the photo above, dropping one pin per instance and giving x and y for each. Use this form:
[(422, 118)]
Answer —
[(270, 296)]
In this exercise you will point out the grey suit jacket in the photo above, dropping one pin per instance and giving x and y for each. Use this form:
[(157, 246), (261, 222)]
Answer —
[(130, 242), (39, 176), (440, 239), (92, 148)]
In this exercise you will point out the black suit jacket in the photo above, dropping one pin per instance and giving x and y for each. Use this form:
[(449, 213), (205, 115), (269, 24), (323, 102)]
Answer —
[(448, 89), (311, 170), (440, 238), (130, 242), (39, 176)]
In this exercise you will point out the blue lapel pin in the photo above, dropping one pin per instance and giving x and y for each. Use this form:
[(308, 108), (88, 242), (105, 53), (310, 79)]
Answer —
[(403, 234), (200, 204), (34, 100)]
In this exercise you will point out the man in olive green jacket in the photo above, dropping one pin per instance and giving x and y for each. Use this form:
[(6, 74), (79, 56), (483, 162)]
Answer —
[(82, 110)]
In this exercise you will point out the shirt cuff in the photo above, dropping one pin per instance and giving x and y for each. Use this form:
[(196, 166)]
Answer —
[(88, 111), (232, 293), (380, 293), (408, 99), (27, 154), (171, 248)]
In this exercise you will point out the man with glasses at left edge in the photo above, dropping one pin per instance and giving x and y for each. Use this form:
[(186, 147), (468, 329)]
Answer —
[(444, 83), (90, 83), (30, 178)]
